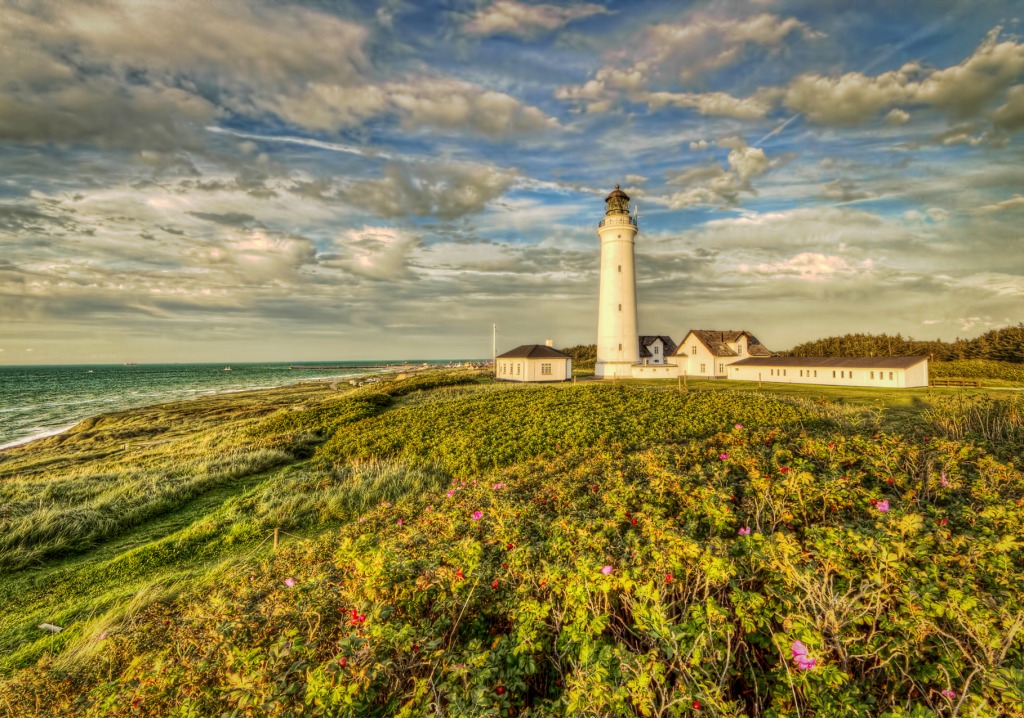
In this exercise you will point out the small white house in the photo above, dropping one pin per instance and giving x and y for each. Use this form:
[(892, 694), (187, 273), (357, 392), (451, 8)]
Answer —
[(707, 353), (889, 372), (533, 362)]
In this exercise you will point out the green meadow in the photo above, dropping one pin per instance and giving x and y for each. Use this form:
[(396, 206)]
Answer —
[(441, 544)]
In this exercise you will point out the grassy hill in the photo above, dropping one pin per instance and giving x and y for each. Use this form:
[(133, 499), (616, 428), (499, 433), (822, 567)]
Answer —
[(452, 546)]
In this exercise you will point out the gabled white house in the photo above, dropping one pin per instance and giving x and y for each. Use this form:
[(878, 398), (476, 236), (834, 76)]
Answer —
[(533, 362), (891, 372), (707, 353), (656, 349)]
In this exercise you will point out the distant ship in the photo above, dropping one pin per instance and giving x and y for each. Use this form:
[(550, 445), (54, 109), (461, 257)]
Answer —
[(227, 368), (129, 363)]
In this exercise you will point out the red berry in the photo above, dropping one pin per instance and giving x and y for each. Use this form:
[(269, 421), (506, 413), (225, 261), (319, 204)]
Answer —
[(494, 583), (696, 705), (500, 690), (342, 661), (668, 578)]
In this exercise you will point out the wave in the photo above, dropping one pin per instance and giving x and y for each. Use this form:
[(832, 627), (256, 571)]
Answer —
[(34, 437)]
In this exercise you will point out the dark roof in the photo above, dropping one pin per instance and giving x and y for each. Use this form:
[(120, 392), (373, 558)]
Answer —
[(647, 340), (533, 351), (617, 193), (839, 362), (717, 342)]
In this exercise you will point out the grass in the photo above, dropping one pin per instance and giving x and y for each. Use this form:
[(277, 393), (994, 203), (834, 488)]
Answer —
[(152, 528)]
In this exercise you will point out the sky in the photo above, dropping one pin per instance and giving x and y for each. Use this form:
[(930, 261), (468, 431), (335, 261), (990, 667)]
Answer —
[(275, 181)]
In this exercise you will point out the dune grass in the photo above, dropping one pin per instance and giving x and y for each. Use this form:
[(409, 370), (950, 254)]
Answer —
[(147, 535)]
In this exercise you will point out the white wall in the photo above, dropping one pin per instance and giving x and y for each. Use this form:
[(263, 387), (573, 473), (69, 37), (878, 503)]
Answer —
[(798, 374), (656, 371), (532, 369), (690, 363), (617, 344)]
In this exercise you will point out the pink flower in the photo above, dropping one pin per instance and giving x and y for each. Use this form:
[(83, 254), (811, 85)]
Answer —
[(102, 636), (451, 493), (399, 522), (948, 694), (745, 531), (943, 481), (800, 657), (386, 504), (738, 426), (477, 515), (606, 570), (498, 486), (289, 582), (723, 456), (882, 505)]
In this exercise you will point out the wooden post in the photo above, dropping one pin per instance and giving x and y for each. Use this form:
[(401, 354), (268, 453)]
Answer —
[(758, 380), (275, 538), (679, 382)]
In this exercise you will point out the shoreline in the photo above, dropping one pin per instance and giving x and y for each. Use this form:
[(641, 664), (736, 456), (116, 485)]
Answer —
[(194, 394)]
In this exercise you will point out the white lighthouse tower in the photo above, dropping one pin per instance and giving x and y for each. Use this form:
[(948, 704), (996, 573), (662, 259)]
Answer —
[(618, 346)]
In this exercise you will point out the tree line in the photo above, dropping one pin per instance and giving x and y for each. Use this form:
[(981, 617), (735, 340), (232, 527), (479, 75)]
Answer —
[(1006, 344)]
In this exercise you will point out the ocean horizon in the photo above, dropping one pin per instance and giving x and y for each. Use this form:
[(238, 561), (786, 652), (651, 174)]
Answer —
[(46, 399)]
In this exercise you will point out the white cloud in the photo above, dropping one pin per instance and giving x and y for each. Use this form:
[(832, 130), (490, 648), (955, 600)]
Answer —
[(715, 185), (810, 266), (381, 253), (508, 17), (964, 90), (1007, 205), (683, 53)]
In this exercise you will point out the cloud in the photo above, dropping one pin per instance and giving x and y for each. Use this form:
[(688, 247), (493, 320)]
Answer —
[(380, 253), (441, 190), (1008, 205), (719, 104), (447, 103), (810, 266), (718, 186), (674, 53), (844, 190), (962, 91), (123, 74), (508, 17), (1010, 117)]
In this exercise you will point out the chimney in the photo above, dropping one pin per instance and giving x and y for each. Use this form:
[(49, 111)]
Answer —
[(549, 343)]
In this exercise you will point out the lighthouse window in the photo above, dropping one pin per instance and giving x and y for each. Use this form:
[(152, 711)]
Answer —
[(620, 347), (620, 307), (620, 269)]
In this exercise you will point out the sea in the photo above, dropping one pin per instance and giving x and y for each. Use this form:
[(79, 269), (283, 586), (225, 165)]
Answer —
[(38, 401)]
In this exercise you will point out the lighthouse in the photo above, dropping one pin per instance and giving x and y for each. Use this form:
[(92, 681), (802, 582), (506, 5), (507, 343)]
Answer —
[(618, 348)]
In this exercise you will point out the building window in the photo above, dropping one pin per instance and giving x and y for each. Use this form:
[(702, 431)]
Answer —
[(890, 376), (620, 307), (517, 369), (545, 369), (721, 368), (801, 372), (620, 347), (872, 375), (815, 373), (703, 370), (842, 375), (783, 372), (694, 350), (657, 349), (833, 373), (620, 269), (851, 375)]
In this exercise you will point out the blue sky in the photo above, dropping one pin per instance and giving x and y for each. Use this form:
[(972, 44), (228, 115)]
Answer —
[(340, 180)]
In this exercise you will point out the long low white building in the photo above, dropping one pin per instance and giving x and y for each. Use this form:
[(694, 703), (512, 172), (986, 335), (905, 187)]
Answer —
[(890, 372)]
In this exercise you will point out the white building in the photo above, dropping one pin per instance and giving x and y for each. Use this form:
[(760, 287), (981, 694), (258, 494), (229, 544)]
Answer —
[(706, 353), (891, 372), (655, 350), (533, 362), (617, 348)]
